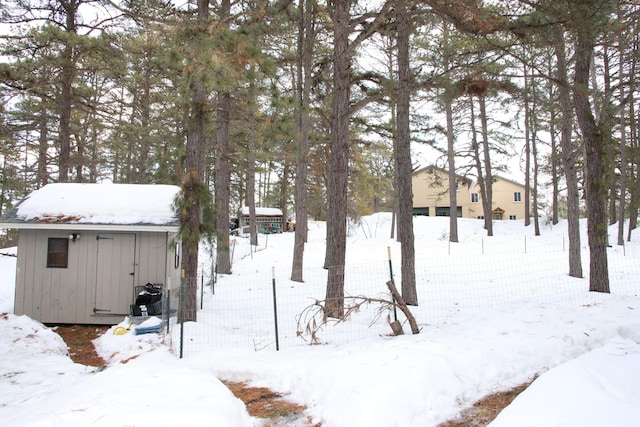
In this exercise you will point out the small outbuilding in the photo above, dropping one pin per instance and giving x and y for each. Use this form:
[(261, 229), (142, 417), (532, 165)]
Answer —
[(268, 220), (85, 250)]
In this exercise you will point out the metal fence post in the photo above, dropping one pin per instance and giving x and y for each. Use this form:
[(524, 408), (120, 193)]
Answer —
[(275, 306), (395, 313), (181, 312), (166, 303)]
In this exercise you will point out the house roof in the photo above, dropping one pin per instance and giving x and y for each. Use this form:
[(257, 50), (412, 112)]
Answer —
[(96, 206), (472, 182), (495, 177), (444, 171)]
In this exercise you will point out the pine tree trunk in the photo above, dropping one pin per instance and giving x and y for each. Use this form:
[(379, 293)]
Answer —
[(595, 178), (222, 169), (67, 76), (633, 152), (145, 121), (339, 161), (451, 152), (483, 164), (634, 187), (451, 155), (222, 184), (623, 143), (305, 56), (623, 180), (488, 174), (534, 154), (43, 145), (189, 303), (192, 182), (403, 161), (568, 158), (475, 145), (527, 150), (532, 126), (251, 168), (554, 166)]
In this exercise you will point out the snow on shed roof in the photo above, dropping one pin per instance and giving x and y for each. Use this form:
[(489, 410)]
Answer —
[(74, 203), (263, 211)]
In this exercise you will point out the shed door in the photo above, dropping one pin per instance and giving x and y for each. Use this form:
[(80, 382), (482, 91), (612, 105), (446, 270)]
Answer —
[(115, 273)]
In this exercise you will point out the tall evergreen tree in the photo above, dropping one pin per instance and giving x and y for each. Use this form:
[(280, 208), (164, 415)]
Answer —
[(403, 158), (449, 94), (64, 39), (222, 175), (590, 17), (194, 192), (343, 51), (304, 62)]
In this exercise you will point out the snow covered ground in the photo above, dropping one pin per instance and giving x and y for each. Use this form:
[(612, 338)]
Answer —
[(488, 337)]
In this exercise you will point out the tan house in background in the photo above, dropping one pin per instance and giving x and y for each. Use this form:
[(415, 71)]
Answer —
[(431, 196)]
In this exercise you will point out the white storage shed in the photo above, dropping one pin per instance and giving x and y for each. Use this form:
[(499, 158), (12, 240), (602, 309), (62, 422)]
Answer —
[(84, 249)]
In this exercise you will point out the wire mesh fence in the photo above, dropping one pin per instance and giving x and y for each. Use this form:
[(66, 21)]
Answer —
[(267, 311)]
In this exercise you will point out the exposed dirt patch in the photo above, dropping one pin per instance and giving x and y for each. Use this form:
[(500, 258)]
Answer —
[(266, 404), (271, 406), (485, 410), (79, 340)]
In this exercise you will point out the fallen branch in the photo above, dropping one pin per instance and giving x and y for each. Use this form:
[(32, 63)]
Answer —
[(314, 317), (403, 306), (309, 325)]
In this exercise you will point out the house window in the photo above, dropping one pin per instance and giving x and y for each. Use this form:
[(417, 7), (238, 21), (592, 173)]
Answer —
[(517, 196), (474, 198), (442, 211), (57, 253), (446, 211), (512, 217)]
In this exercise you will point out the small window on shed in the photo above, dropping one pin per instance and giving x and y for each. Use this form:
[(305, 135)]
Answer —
[(57, 253)]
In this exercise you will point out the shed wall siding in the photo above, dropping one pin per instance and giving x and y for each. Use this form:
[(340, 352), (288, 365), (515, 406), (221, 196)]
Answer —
[(152, 258), (68, 295), (173, 270), (52, 294), (172, 280)]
